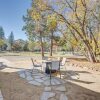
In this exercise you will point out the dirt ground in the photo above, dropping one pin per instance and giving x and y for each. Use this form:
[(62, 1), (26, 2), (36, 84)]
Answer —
[(83, 63), (15, 88), (87, 87)]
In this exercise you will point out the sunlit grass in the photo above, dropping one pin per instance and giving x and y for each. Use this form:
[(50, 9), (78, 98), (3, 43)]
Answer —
[(58, 54)]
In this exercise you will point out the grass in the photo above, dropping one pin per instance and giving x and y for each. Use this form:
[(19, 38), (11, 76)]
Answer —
[(27, 54), (30, 54)]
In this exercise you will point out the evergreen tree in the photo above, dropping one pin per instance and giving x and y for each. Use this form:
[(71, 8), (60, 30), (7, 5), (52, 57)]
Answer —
[(11, 41), (2, 39), (25, 48), (1, 33)]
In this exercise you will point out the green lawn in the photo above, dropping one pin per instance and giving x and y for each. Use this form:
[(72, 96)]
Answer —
[(31, 54)]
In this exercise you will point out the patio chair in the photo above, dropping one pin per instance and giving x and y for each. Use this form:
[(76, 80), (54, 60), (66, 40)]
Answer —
[(51, 67), (36, 64), (56, 67), (62, 63)]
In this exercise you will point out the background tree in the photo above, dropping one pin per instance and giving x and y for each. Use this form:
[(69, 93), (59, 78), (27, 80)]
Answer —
[(16, 46), (51, 25), (2, 42), (78, 18), (25, 47), (2, 39), (35, 21), (20, 45), (1, 33), (10, 41), (31, 45)]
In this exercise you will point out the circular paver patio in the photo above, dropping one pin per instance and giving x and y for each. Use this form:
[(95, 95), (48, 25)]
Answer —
[(51, 87), (38, 78)]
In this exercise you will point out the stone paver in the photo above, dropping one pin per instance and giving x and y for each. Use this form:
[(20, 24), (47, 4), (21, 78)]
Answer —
[(63, 97), (37, 78), (56, 81), (47, 89), (20, 72), (35, 83), (27, 73), (38, 74), (47, 83), (29, 78), (52, 82), (75, 77), (22, 75), (47, 95), (61, 80), (61, 88), (45, 78)]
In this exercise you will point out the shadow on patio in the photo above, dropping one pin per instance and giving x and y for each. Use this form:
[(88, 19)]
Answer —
[(15, 88)]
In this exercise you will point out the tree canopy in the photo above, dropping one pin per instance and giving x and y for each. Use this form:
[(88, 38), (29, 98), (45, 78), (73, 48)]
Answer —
[(76, 20)]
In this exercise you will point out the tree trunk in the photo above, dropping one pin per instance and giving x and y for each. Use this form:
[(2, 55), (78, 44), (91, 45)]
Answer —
[(42, 49), (91, 54), (51, 47)]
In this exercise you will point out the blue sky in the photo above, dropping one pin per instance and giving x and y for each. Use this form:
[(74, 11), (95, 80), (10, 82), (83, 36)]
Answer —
[(11, 12)]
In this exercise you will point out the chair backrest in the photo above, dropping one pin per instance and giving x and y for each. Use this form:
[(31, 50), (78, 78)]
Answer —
[(32, 61), (55, 65), (63, 61), (59, 58), (45, 58)]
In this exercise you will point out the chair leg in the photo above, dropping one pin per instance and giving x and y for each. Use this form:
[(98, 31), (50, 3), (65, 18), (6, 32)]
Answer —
[(32, 69), (60, 74), (65, 68), (50, 77), (32, 63), (41, 68)]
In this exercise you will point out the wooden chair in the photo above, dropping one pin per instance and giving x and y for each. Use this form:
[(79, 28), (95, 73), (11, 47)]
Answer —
[(53, 66), (62, 63), (36, 64), (56, 66)]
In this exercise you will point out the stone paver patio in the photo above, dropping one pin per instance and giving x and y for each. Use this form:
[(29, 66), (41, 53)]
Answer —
[(37, 78)]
